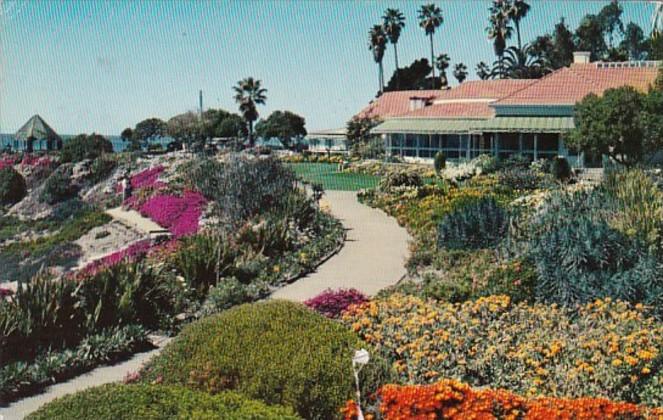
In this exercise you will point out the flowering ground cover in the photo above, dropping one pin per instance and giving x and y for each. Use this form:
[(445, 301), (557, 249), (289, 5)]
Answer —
[(179, 214)]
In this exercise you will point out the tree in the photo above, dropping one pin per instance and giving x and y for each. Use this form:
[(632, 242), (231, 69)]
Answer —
[(564, 46), (127, 135), (147, 129), (284, 125), (634, 42), (413, 77), (483, 71), (623, 124), (442, 64), (460, 72), (589, 37), (249, 93), (186, 128), (499, 31), (655, 47), (377, 43), (610, 18), (521, 64), (359, 130), (658, 83), (393, 24), (84, 147), (430, 18), (518, 12)]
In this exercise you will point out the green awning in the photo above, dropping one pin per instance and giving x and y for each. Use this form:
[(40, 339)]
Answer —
[(525, 124), (426, 126)]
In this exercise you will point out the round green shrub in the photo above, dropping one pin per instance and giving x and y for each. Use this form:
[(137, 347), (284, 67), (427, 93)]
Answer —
[(12, 186), (440, 161), (560, 169), (117, 401), (278, 351), (84, 147), (58, 187)]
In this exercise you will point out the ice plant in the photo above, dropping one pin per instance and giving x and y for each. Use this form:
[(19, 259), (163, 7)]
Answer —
[(147, 178), (178, 214), (331, 303)]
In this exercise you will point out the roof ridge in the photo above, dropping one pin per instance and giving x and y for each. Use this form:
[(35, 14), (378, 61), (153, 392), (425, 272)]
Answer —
[(534, 82), (591, 81)]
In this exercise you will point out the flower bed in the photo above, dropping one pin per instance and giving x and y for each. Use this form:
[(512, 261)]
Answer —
[(607, 349), (331, 303), (450, 399), (147, 178), (178, 214)]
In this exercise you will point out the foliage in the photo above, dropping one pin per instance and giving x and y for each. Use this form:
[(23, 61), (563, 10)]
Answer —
[(604, 349), (453, 399), (477, 225), (402, 178), (58, 187), (84, 147), (277, 351), (148, 129), (560, 169), (284, 125), (229, 292), (520, 179), (220, 123), (12, 186), (440, 161), (248, 94), (20, 378), (331, 303), (359, 130), (413, 77), (100, 169), (114, 401)]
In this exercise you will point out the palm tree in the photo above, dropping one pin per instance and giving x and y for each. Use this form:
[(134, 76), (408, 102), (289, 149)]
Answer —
[(499, 30), (483, 71), (430, 18), (657, 19), (460, 72), (517, 12), (442, 64), (521, 64), (248, 94), (377, 42), (393, 24)]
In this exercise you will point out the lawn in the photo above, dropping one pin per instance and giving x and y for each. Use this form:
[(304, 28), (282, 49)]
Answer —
[(331, 179)]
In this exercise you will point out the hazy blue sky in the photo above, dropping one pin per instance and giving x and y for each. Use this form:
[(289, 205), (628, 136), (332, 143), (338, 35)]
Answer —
[(104, 65)]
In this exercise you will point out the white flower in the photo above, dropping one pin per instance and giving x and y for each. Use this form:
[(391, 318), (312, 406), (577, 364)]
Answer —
[(361, 357)]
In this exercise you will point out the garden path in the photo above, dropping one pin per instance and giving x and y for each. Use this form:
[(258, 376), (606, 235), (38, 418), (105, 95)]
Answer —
[(99, 376), (373, 256), (134, 219)]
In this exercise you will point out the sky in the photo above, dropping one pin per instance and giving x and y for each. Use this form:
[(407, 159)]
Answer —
[(100, 66)]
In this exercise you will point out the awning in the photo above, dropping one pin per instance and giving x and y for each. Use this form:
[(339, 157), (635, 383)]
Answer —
[(526, 125), (426, 126)]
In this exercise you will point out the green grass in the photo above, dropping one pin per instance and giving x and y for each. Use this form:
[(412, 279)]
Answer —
[(331, 179)]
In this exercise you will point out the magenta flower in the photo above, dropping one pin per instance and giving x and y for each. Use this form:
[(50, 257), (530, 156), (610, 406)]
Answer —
[(147, 178), (179, 214), (331, 303)]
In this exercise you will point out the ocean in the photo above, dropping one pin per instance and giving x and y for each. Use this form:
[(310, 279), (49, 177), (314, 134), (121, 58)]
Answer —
[(119, 145)]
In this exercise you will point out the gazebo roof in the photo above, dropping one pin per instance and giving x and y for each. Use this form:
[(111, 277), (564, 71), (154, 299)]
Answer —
[(37, 129)]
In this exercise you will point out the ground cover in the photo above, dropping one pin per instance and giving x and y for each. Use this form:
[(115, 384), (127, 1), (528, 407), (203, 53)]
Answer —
[(330, 178)]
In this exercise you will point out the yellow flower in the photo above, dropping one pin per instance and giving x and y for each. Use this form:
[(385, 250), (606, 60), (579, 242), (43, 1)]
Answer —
[(645, 370), (616, 362)]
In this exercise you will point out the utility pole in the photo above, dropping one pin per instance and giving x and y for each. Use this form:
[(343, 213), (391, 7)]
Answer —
[(200, 103)]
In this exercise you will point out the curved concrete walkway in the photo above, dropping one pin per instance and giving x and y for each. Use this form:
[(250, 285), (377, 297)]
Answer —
[(373, 256)]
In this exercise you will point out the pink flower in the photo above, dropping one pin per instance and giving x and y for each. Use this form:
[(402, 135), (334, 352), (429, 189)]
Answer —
[(179, 214), (331, 303)]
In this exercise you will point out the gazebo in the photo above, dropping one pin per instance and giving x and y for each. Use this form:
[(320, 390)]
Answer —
[(36, 135)]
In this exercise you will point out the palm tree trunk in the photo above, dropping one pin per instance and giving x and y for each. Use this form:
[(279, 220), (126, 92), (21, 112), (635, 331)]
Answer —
[(520, 44), (251, 133), (432, 59), (379, 81), (398, 76), (381, 78)]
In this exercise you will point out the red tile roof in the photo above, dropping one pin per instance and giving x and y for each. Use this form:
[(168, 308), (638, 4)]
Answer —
[(454, 110), (392, 104), (486, 89), (569, 85)]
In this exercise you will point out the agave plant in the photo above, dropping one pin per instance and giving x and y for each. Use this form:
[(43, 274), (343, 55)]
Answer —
[(520, 64)]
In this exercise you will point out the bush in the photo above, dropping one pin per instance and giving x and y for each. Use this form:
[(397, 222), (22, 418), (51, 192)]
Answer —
[(101, 169), (58, 187), (230, 292), (116, 401), (84, 147), (519, 179), (331, 303), (278, 351), (400, 178), (560, 169), (12, 186), (481, 224), (603, 349), (440, 161)]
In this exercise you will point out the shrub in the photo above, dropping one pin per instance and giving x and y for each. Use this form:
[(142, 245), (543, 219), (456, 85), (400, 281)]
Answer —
[(58, 187), (604, 349), (70, 210), (84, 147), (331, 303), (516, 161), (400, 178), (560, 169), (115, 401), (480, 224), (519, 179), (12, 186), (100, 169), (440, 161), (278, 351), (453, 399), (230, 292)]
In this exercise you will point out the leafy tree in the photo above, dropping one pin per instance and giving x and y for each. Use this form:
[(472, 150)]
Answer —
[(377, 43), (413, 77), (249, 93), (127, 135), (430, 18), (610, 18), (282, 124), (658, 83), (149, 128), (564, 45), (623, 124), (521, 64), (483, 71), (186, 128), (518, 11), (359, 130), (634, 42), (84, 147), (12, 186), (460, 72), (655, 47), (221, 123), (589, 37), (442, 64), (499, 30), (393, 23)]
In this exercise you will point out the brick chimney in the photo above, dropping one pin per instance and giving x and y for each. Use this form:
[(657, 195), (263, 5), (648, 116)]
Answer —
[(581, 57)]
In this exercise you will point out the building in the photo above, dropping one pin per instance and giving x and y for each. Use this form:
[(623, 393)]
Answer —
[(500, 117), (36, 135), (328, 141)]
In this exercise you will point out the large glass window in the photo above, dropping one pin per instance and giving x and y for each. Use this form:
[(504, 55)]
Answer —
[(410, 140), (509, 141), (548, 142)]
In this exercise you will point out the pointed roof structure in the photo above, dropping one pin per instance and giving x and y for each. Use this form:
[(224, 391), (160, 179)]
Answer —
[(36, 129)]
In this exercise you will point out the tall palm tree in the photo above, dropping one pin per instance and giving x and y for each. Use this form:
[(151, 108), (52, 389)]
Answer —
[(377, 43), (442, 64), (657, 19), (517, 12), (460, 72), (430, 18), (248, 94), (393, 24), (499, 30), (483, 71)]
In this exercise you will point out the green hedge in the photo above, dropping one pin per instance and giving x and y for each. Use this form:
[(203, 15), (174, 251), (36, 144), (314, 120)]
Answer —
[(12, 186), (118, 401), (280, 352)]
